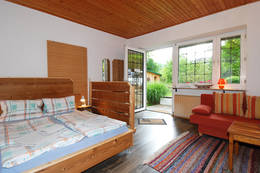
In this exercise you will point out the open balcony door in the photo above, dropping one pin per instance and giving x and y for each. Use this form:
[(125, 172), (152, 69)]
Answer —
[(135, 73)]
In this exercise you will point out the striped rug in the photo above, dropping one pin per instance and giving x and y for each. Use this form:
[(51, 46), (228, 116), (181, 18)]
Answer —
[(193, 153)]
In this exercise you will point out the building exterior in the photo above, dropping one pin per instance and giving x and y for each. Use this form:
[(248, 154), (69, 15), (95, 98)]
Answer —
[(153, 76)]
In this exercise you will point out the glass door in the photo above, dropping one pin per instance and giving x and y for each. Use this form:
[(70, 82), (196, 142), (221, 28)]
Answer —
[(135, 73)]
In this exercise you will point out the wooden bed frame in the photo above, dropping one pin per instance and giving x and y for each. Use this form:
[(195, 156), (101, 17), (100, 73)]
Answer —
[(113, 99)]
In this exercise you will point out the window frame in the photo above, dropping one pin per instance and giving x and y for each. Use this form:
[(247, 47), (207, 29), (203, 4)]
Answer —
[(188, 45), (231, 61), (216, 59), (242, 34)]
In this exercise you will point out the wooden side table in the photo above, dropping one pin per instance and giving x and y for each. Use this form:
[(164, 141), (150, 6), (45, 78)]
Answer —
[(83, 108), (242, 132)]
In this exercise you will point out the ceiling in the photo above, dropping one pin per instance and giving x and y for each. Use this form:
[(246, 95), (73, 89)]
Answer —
[(131, 18)]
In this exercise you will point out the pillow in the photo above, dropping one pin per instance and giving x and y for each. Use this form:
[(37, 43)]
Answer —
[(20, 109), (253, 107), (229, 103), (202, 109), (54, 106)]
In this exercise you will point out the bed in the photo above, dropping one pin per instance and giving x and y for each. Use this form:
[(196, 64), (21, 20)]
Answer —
[(112, 99)]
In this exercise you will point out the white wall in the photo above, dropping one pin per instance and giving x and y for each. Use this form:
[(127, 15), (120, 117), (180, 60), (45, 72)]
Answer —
[(245, 15), (23, 35)]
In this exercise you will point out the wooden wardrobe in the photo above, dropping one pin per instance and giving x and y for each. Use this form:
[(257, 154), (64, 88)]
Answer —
[(118, 70)]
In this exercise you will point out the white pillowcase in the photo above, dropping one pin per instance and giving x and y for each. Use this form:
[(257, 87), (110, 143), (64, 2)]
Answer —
[(53, 106), (20, 109)]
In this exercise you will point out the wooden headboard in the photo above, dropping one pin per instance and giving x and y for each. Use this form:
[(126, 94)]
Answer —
[(34, 88), (114, 99)]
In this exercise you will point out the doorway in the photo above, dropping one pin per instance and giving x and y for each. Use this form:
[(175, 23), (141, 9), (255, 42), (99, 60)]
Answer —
[(159, 80)]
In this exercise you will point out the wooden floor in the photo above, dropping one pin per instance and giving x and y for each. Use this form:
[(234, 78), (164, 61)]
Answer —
[(148, 139)]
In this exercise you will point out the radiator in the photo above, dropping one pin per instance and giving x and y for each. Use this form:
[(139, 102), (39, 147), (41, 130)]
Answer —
[(183, 105)]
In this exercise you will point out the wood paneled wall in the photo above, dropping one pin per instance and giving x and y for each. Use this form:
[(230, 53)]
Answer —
[(118, 70), (65, 60)]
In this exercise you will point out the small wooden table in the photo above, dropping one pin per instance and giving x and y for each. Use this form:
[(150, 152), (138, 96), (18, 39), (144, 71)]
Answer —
[(242, 132), (86, 107)]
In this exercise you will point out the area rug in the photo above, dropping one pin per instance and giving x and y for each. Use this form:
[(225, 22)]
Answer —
[(151, 121), (193, 153)]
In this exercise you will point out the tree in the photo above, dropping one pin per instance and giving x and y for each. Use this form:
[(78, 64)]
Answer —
[(167, 72), (152, 66)]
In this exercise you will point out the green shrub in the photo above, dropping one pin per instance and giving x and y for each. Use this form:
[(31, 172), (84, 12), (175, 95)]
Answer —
[(155, 91), (233, 79)]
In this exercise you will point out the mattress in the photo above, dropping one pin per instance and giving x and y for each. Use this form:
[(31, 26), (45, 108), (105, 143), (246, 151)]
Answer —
[(60, 152)]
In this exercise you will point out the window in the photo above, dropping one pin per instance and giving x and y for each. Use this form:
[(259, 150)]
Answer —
[(230, 59), (195, 63), (206, 60)]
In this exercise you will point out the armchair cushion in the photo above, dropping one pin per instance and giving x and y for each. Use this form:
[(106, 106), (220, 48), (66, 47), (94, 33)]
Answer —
[(229, 103), (202, 109), (253, 107)]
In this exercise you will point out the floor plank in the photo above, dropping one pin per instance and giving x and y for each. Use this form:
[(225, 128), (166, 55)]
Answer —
[(147, 140)]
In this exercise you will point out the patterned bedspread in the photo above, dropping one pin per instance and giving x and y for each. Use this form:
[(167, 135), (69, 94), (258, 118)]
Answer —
[(21, 141), (24, 140), (89, 124)]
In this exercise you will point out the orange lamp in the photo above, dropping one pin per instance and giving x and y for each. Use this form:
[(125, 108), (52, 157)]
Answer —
[(221, 83)]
